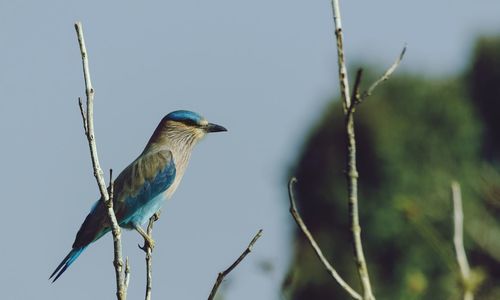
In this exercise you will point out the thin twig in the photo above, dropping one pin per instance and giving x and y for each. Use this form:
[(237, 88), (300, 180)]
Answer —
[(356, 97), (385, 76), (149, 255), (111, 187), (317, 249), (458, 239), (82, 113), (221, 275), (121, 292), (127, 273)]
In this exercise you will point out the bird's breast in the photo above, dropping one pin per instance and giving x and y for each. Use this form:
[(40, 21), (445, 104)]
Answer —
[(181, 161), (171, 189)]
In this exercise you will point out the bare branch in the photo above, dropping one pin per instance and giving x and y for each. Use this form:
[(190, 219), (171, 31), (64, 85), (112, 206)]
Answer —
[(352, 174), (88, 122), (317, 249), (349, 105), (149, 255), (343, 79), (458, 240), (221, 275), (385, 76), (352, 195)]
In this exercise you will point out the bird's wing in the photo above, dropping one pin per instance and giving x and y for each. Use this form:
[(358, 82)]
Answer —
[(145, 178)]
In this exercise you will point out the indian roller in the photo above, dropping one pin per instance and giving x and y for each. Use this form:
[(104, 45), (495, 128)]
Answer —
[(143, 186)]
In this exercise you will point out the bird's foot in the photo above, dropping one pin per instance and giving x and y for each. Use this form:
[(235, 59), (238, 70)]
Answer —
[(149, 243), (157, 215)]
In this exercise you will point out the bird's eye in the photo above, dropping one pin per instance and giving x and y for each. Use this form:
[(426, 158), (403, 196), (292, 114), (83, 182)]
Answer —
[(191, 123)]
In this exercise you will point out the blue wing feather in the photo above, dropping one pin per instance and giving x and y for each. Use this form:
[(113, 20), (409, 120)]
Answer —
[(142, 204)]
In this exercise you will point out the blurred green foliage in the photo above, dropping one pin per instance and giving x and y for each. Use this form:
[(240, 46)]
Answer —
[(414, 136)]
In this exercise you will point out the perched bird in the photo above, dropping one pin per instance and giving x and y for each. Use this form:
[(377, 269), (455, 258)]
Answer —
[(141, 189)]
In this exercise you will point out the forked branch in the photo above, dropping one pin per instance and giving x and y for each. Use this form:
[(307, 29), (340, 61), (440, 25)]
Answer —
[(352, 173), (349, 103)]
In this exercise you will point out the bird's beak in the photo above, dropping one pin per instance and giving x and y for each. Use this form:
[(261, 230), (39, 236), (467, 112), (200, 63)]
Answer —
[(214, 128)]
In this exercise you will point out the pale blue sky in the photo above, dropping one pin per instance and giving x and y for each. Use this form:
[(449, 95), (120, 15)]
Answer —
[(263, 69)]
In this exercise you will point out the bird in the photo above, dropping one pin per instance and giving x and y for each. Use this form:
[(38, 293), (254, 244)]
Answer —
[(144, 185)]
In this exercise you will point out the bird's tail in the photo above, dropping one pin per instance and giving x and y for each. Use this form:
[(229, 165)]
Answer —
[(66, 262)]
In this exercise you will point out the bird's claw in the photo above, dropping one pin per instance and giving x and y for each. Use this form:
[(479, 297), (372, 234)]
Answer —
[(148, 244), (157, 215)]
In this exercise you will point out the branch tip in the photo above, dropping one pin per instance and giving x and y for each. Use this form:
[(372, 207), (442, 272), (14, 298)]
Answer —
[(222, 275), (386, 74)]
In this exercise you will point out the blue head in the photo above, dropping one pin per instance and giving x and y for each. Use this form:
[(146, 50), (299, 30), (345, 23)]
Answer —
[(192, 121)]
